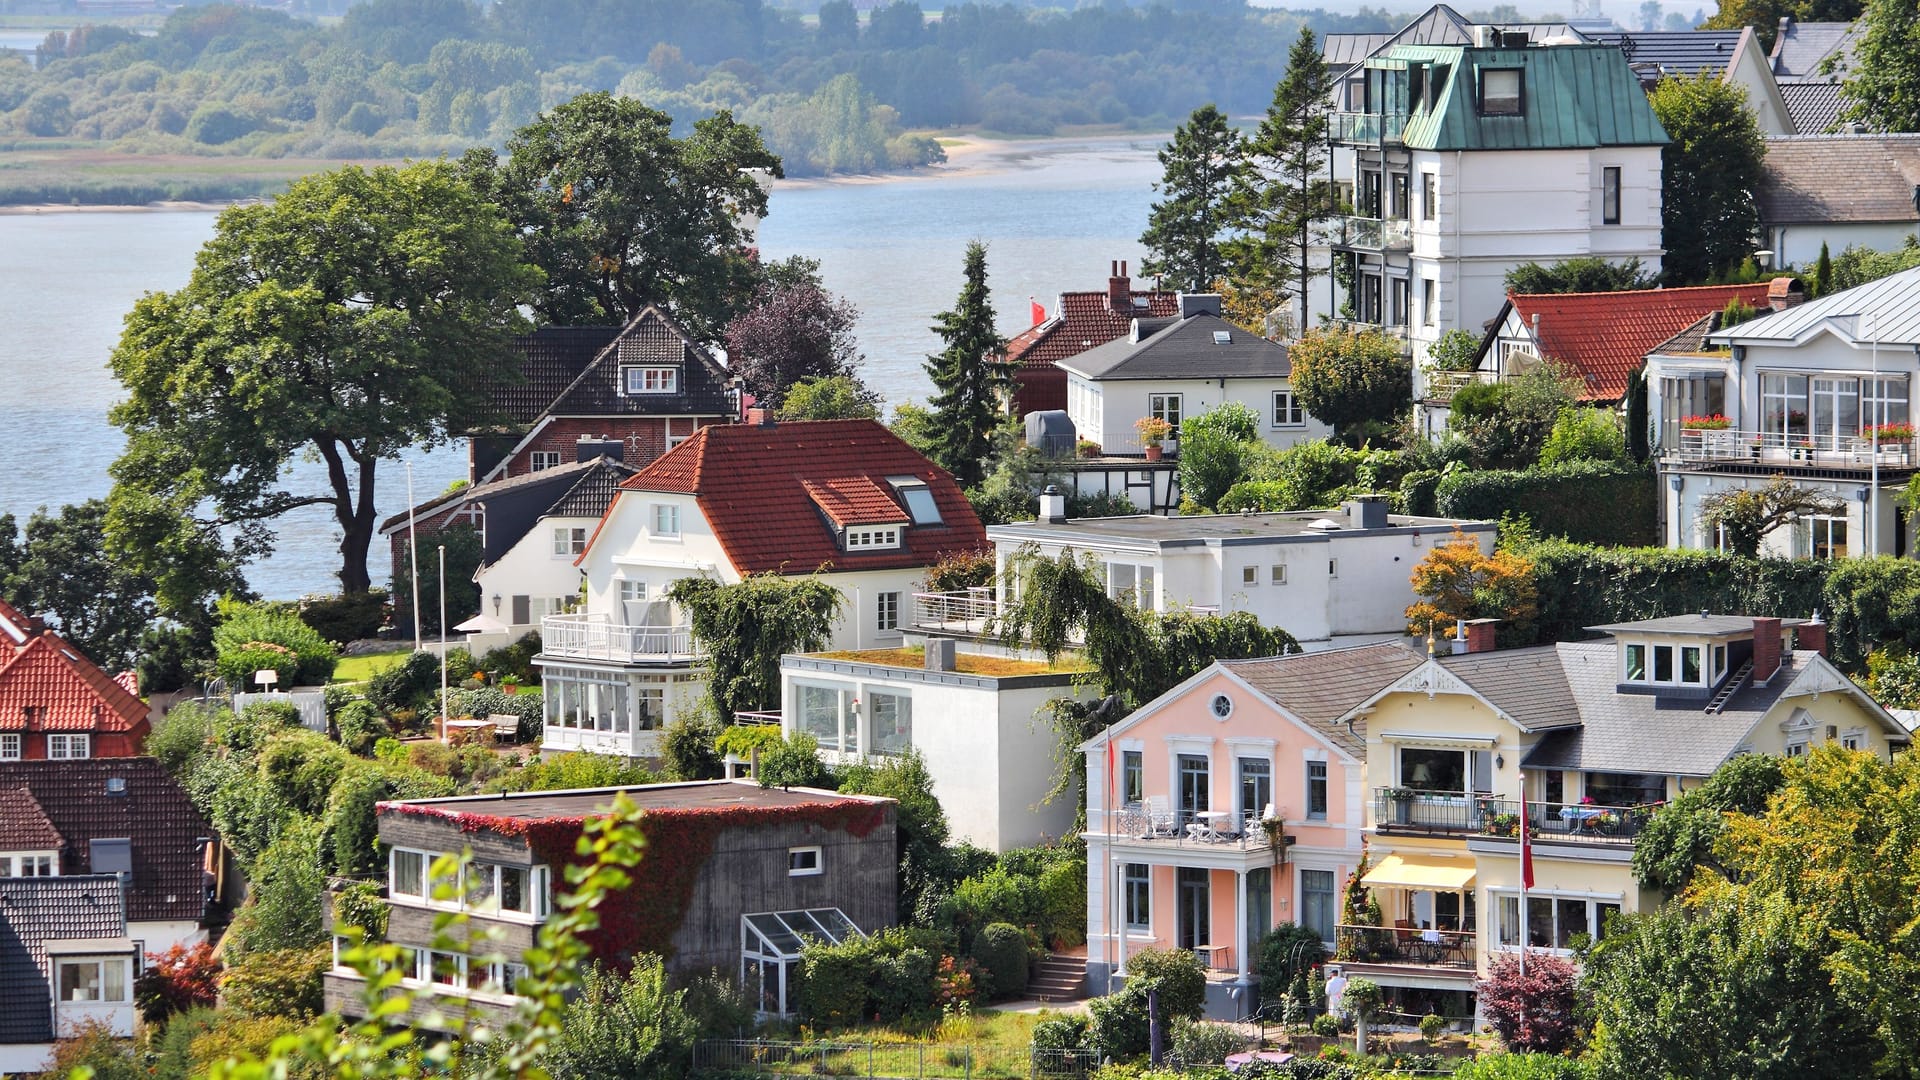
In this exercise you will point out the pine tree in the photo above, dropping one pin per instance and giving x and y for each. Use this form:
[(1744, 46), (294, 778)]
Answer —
[(968, 376), (1283, 190), (1823, 272), (1183, 231)]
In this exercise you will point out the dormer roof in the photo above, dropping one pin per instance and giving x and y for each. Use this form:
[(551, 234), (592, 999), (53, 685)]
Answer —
[(1189, 348), (1693, 626)]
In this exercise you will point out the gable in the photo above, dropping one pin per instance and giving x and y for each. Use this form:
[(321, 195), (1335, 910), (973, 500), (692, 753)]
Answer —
[(65, 692), (652, 369)]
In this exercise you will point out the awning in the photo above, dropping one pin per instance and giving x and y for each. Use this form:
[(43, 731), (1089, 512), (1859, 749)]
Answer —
[(1418, 872), (482, 624)]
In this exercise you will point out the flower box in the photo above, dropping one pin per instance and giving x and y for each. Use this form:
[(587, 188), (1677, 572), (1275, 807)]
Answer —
[(1888, 433), (1716, 422)]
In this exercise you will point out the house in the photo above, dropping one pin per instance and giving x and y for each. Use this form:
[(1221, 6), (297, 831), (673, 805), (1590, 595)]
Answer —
[(1808, 60), (1586, 739), (56, 703), (1838, 191), (1177, 852), (122, 816), (1180, 366), (1597, 338), (66, 961), (1817, 392), (646, 387), (1736, 55), (1463, 161), (1321, 575), (754, 872), (844, 498), (1080, 321), (980, 723), (531, 527)]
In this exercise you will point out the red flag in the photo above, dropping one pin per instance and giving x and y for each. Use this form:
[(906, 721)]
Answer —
[(1526, 839), (1039, 311)]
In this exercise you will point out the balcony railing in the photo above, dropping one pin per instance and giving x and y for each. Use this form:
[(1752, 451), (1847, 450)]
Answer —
[(758, 719), (963, 611), (1370, 129), (1407, 946), (595, 637), (1189, 828), (1463, 813), (1373, 234), (1735, 446), (1442, 385), (1396, 332)]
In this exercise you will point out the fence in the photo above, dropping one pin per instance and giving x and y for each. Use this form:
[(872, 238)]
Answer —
[(311, 704), (891, 1061)]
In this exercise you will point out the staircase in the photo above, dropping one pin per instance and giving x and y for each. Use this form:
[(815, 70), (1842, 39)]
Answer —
[(1731, 688), (1060, 977)]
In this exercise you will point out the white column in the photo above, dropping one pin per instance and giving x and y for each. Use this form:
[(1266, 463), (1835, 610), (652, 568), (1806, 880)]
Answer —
[(1119, 913), (1240, 920)]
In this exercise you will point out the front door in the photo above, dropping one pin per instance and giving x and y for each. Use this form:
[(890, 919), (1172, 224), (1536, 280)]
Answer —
[(1194, 906)]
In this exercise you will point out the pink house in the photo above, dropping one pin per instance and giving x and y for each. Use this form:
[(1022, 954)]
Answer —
[(1231, 803)]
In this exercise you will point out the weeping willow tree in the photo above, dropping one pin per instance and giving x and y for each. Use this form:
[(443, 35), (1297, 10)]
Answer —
[(1061, 602), (746, 627)]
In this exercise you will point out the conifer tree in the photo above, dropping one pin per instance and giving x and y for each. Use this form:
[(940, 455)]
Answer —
[(1284, 190), (969, 377), (1823, 272), (1183, 231)]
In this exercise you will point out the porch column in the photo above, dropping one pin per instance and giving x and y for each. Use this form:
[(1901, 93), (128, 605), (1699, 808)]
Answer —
[(1240, 920), (1118, 913)]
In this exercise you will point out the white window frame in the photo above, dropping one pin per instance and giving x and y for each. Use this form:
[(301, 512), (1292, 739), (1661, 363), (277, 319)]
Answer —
[(541, 460), (1168, 407), (394, 855), (1136, 876), (664, 521), (1429, 301), (10, 746), (62, 747), (1497, 917), (1814, 531), (872, 538), (633, 591), (1277, 574), (1249, 576), (21, 864), (1649, 668), (886, 612), (1287, 411), (805, 861), (100, 964), (1325, 780), (652, 379), (569, 541)]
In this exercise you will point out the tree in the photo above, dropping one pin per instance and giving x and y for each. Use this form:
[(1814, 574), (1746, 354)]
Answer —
[(1746, 515), (921, 823), (1213, 450), (1823, 272), (620, 214), (1856, 266), (1709, 172), (1882, 84), (1584, 434), (60, 571), (1681, 836), (1282, 192), (1456, 350), (628, 1025), (793, 330), (746, 627), (968, 376), (1459, 581), (1588, 273), (1639, 438), (1651, 12), (1532, 1012), (1351, 379), (838, 397), (361, 314), (464, 556), (1184, 229)]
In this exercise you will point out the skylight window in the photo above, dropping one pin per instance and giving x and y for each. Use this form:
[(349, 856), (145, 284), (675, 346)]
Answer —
[(1222, 337), (919, 499)]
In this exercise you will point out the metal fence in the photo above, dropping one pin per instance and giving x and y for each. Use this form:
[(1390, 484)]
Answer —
[(891, 1061)]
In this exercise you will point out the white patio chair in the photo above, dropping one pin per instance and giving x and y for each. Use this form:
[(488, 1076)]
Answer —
[(1160, 817)]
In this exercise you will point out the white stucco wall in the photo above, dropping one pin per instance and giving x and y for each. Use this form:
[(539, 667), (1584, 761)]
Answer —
[(531, 569), (1124, 401), (1798, 245)]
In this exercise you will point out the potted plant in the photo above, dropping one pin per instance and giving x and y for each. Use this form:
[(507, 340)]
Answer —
[(1501, 824), (510, 684), (1715, 422), (1888, 433), (1153, 431), (1402, 801)]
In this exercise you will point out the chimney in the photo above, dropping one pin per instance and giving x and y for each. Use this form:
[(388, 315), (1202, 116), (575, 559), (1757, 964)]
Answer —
[(1766, 649), (942, 654), (1367, 512), (589, 448), (1811, 636), (1785, 292), (759, 417), (1053, 506), (1480, 635), (1192, 304), (1119, 289), (1459, 638)]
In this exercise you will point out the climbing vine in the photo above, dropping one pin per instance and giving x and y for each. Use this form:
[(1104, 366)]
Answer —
[(746, 627)]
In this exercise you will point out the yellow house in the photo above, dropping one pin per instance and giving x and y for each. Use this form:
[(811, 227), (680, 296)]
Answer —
[(1589, 737)]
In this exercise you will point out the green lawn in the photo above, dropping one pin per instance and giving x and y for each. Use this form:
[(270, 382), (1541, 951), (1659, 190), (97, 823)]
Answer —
[(362, 668)]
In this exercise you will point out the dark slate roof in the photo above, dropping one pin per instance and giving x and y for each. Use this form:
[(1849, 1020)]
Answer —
[(1801, 49), (23, 825), (1528, 685), (1675, 52), (1322, 687), (154, 813), (1823, 179), (34, 911), (561, 478), (550, 359), (590, 495), (1183, 349), (654, 339), (1814, 107)]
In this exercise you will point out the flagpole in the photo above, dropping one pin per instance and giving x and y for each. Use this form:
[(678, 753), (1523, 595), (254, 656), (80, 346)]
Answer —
[(413, 557), (1526, 872)]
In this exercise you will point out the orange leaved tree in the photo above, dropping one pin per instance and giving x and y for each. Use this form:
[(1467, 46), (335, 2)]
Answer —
[(1458, 580)]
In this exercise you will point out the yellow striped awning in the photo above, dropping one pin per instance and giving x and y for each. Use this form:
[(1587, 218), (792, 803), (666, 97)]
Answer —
[(1421, 872)]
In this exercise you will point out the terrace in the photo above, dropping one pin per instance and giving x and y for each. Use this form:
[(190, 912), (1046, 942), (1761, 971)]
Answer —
[(1460, 813), (596, 637), (1891, 449)]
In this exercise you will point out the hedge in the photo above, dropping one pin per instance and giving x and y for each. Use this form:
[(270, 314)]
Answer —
[(1585, 501), (1001, 951)]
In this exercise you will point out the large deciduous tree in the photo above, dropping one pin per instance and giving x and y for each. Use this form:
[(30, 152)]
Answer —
[(1458, 581), (1351, 379), (59, 570), (356, 316), (1882, 87), (620, 214), (749, 625), (794, 329), (1710, 222), (1746, 515), (969, 376), (1283, 191), (1184, 229), (1587, 273)]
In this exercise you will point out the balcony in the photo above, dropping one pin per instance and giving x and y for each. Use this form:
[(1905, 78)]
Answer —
[(1366, 129), (596, 637), (1435, 951), (1395, 332), (1459, 813), (1769, 449), (1372, 234), (1203, 830), (961, 611), (1442, 385)]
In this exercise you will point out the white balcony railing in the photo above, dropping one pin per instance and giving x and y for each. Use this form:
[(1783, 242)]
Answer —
[(1373, 234), (1442, 385), (968, 611), (1733, 446), (595, 637)]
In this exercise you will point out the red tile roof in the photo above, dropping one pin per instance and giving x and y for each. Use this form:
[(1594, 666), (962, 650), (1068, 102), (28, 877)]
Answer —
[(65, 690), (1602, 337), (1082, 321), (856, 500), (752, 484)]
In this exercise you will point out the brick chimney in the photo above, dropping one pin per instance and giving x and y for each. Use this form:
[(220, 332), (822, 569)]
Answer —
[(1480, 635), (759, 417), (1785, 292), (1119, 289), (1766, 649), (1811, 636)]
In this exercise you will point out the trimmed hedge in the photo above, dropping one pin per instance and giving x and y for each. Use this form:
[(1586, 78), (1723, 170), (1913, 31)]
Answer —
[(1001, 951), (1584, 501)]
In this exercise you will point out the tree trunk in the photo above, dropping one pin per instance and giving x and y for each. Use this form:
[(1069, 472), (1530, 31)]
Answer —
[(353, 511)]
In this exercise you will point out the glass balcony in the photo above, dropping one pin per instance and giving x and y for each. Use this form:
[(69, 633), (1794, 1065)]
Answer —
[(1373, 234), (1366, 129)]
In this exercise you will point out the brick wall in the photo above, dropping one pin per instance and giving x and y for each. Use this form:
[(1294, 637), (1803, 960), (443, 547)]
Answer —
[(642, 438)]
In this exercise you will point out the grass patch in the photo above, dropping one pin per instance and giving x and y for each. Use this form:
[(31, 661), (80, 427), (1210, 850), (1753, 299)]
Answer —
[(362, 668), (964, 663), (55, 172)]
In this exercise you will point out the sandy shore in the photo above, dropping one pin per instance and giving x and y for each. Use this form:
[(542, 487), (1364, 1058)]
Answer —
[(66, 208)]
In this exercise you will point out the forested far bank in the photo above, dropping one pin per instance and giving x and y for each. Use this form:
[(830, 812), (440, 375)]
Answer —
[(836, 93)]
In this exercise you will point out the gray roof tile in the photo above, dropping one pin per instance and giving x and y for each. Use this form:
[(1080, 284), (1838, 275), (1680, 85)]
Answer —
[(1529, 685), (34, 911), (1183, 349), (1814, 107), (1830, 179), (1322, 687)]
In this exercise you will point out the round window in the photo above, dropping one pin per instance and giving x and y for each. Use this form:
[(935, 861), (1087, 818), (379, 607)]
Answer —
[(1222, 706)]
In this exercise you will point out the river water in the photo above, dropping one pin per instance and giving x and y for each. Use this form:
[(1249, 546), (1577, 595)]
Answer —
[(1053, 215)]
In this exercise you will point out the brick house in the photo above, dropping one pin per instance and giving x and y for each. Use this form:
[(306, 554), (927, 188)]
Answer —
[(56, 703), (1081, 320)]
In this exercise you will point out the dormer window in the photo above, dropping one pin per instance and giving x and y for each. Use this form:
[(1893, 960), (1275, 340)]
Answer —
[(651, 380), (1502, 92), (872, 538), (1661, 664)]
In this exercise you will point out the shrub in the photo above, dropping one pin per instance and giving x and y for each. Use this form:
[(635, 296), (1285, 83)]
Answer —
[(888, 975), (515, 660), (255, 637), (1176, 974), (1510, 1066), (360, 726), (1200, 1043), (977, 902), (1326, 1025), (351, 824), (1067, 1032), (287, 881), (171, 657), (279, 983), (345, 617), (177, 980), (1431, 1026), (248, 731), (1418, 492), (741, 740), (1001, 951), (1286, 954), (92, 1046), (360, 905), (1531, 1011), (958, 570), (1583, 434), (1584, 501), (794, 762), (688, 746), (180, 737), (576, 770), (303, 768), (407, 685), (212, 1038)]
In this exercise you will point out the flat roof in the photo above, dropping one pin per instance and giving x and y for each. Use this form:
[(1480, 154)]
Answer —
[(581, 802), (1211, 528), (1701, 625)]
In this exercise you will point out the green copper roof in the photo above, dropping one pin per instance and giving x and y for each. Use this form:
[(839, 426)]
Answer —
[(1573, 97)]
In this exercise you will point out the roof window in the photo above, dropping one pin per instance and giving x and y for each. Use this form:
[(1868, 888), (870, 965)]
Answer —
[(918, 497), (1502, 92), (1222, 337)]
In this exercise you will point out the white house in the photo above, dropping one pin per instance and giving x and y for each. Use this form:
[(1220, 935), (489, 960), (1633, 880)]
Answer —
[(1180, 366), (66, 961), (979, 722), (1318, 574), (1840, 191), (1800, 393), (844, 498)]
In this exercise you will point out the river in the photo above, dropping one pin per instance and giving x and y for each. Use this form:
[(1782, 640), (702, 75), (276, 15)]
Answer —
[(1052, 213)]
